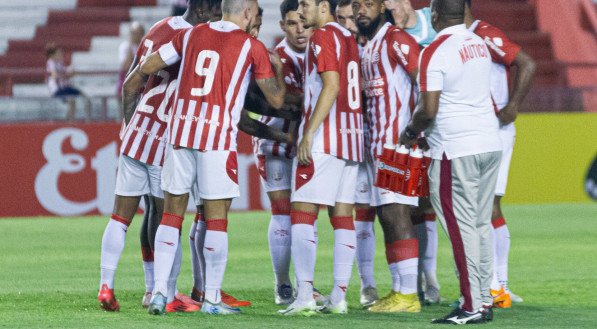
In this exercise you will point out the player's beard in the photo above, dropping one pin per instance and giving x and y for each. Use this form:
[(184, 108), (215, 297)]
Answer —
[(370, 29)]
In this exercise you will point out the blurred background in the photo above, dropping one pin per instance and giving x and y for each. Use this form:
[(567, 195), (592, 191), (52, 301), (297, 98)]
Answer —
[(59, 157)]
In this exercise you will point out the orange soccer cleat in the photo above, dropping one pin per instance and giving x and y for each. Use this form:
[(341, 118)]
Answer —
[(107, 300), (501, 298), (178, 305), (233, 302), (186, 299)]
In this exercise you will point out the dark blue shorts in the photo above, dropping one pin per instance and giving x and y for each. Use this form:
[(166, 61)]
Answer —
[(67, 91)]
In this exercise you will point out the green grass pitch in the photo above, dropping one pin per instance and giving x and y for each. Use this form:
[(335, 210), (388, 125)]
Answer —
[(49, 274)]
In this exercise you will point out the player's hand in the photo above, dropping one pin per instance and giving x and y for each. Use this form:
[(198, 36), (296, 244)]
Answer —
[(291, 138), (422, 143), (508, 114), (274, 58), (304, 150), (406, 141)]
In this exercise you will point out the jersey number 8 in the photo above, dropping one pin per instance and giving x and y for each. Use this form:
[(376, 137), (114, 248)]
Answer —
[(354, 94)]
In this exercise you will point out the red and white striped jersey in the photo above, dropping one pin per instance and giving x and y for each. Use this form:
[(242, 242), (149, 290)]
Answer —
[(216, 60), (333, 48), (386, 62), (293, 64), (145, 137), (503, 52)]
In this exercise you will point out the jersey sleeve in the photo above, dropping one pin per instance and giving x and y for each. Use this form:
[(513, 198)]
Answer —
[(172, 51), (404, 49), (502, 49), (432, 69), (324, 48), (262, 67)]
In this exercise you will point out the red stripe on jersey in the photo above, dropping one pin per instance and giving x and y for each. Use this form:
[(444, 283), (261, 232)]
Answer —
[(426, 58)]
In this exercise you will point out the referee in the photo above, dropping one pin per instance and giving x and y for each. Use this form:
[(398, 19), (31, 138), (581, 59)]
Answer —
[(462, 132)]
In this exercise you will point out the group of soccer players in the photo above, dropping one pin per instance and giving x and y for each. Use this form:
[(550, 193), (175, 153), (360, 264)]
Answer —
[(350, 68)]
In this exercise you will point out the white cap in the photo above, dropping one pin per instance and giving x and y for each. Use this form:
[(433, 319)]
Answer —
[(401, 149), (389, 146), (416, 153)]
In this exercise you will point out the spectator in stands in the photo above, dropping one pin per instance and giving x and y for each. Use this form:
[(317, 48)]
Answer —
[(179, 7), (59, 83), (126, 53)]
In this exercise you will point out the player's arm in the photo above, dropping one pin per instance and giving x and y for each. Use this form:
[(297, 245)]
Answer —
[(135, 80), (327, 97), (257, 104), (523, 81), (258, 129), (422, 118), (274, 88)]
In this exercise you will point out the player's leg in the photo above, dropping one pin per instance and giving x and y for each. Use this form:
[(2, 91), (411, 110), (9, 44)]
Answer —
[(418, 219), (196, 239), (72, 108), (432, 286), (147, 252)]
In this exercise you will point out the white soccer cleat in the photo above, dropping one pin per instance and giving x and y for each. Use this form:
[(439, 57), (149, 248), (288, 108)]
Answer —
[(320, 298), (300, 308), (368, 296), (218, 309), (515, 298), (329, 308), (432, 295), (283, 294), (146, 299)]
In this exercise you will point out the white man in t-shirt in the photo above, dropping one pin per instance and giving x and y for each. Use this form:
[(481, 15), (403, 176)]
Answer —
[(459, 122), (202, 135)]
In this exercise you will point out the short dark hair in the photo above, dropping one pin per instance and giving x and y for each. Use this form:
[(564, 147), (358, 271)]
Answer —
[(199, 3), (450, 9), (259, 11), (51, 49), (343, 3), (333, 5), (468, 2), (287, 6)]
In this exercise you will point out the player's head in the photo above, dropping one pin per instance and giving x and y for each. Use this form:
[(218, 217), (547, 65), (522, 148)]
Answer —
[(345, 16), (205, 10), (369, 15), (241, 12), (446, 13), (256, 28), (313, 12), (400, 11), (136, 32), (54, 51), (297, 36)]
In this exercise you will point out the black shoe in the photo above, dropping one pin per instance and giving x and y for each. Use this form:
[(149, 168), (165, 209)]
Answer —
[(460, 316), (487, 312)]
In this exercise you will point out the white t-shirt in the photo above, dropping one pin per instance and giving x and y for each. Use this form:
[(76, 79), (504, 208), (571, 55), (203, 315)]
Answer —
[(458, 64)]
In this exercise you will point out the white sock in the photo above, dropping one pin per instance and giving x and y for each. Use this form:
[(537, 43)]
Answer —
[(199, 243), (365, 252), (216, 255), (501, 244), (430, 257), (172, 291), (148, 270), (112, 245), (166, 245), (345, 244), (279, 247), (395, 276), (303, 250), (405, 255)]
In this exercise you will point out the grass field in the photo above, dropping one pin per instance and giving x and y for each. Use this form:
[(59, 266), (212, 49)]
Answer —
[(49, 272)]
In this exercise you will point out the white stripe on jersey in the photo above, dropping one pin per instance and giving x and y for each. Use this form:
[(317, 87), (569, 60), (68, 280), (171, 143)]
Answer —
[(180, 104), (151, 139), (202, 114), (190, 117), (215, 118), (139, 136)]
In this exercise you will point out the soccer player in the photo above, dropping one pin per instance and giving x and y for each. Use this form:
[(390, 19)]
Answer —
[(217, 60), (142, 154), (415, 22), (390, 64), (505, 54), (466, 149), (274, 159), (330, 148), (364, 213)]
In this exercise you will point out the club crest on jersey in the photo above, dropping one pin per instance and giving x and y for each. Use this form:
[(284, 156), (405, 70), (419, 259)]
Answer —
[(316, 49), (495, 45)]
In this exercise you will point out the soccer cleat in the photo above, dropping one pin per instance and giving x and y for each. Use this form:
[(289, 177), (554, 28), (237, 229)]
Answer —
[(233, 302), (487, 312), (432, 295), (501, 298), (368, 296), (107, 300), (146, 299), (300, 308), (218, 309), (320, 299), (197, 295), (515, 298), (399, 303), (283, 294), (460, 316), (178, 305), (329, 308), (186, 299), (157, 306), (382, 302)]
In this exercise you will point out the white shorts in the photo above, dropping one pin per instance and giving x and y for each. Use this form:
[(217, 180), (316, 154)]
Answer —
[(363, 190), (326, 181), (275, 172), (381, 197), (195, 194), (507, 138), (216, 173), (135, 178)]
